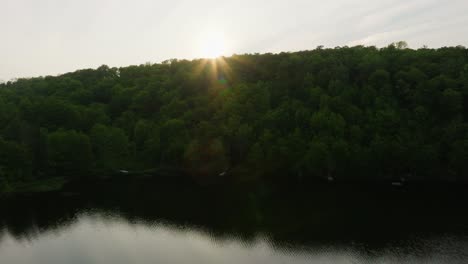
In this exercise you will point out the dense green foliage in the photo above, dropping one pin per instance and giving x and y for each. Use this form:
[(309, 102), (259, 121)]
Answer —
[(352, 113)]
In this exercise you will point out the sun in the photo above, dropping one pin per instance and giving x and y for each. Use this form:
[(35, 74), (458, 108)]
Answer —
[(213, 45)]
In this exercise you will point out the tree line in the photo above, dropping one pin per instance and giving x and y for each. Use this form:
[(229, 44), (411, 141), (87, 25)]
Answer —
[(351, 113)]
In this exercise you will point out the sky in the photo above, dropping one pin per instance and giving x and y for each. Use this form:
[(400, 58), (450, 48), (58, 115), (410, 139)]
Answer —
[(50, 37)]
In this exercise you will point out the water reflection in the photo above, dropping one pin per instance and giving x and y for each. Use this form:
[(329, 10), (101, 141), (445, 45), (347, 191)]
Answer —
[(218, 227)]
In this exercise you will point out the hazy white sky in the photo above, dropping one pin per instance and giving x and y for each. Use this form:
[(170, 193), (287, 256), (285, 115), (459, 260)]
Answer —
[(48, 37)]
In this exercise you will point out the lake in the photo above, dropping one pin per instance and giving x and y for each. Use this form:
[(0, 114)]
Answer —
[(150, 223)]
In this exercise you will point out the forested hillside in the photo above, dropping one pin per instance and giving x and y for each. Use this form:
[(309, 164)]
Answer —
[(352, 113)]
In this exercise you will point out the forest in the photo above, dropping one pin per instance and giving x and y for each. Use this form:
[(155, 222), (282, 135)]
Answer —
[(348, 113)]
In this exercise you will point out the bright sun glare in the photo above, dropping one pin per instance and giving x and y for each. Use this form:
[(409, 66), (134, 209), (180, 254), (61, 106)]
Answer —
[(213, 45)]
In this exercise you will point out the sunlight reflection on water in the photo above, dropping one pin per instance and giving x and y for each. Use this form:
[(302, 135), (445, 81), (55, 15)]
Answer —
[(108, 238)]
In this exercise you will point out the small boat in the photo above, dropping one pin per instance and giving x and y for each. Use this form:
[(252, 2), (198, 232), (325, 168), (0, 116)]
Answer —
[(399, 182)]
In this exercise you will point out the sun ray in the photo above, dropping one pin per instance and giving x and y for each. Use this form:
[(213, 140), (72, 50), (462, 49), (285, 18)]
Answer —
[(226, 69), (200, 67), (213, 65)]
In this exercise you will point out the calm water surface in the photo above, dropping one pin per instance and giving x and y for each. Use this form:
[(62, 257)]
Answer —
[(137, 225)]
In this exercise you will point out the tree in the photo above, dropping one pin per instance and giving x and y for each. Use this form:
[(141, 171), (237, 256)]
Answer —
[(350, 112), (15, 162), (110, 145), (205, 158), (69, 153)]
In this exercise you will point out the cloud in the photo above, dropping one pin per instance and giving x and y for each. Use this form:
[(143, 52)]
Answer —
[(57, 36)]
